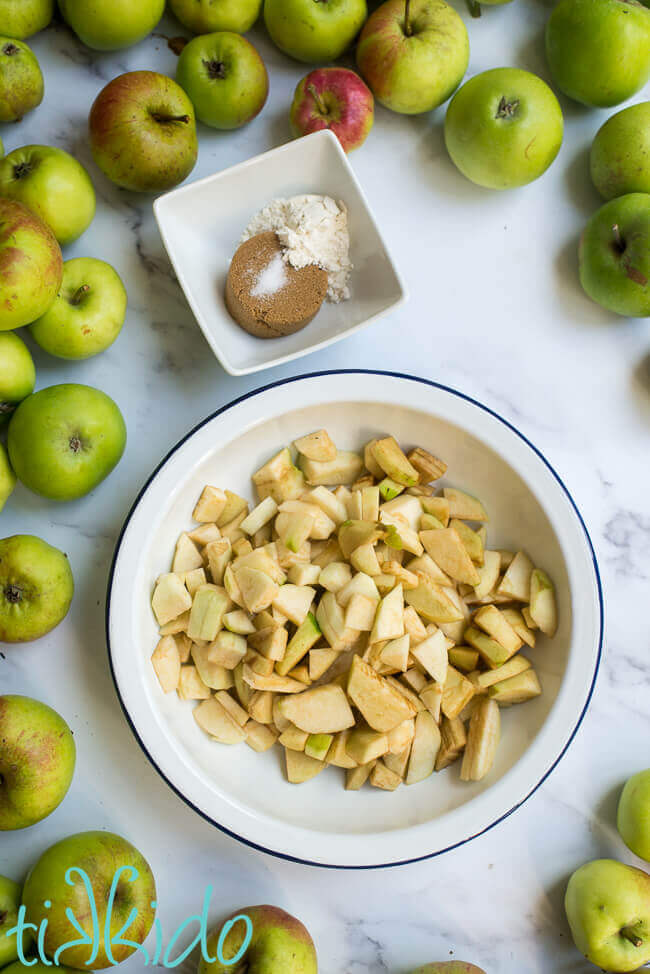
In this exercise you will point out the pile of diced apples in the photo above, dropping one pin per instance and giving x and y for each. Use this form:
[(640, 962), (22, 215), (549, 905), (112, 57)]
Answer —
[(355, 616)]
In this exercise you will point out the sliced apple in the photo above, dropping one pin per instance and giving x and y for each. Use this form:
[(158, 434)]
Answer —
[(424, 749), (543, 608), (323, 710), (209, 606), (337, 754), (429, 601), (488, 574), (194, 579), (429, 467), (482, 740), (335, 576), (257, 589), (492, 621), (260, 707), (439, 507), (381, 776), (518, 664), (450, 554), (239, 622), (329, 504), (289, 487), (210, 505), (398, 763), (361, 584), (318, 745), (453, 741), (516, 581), (394, 462), (303, 574), (300, 767), (464, 658), (293, 738), (167, 664), (191, 686), (401, 736), (516, 620), (218, 554), (456, 693), (381, 705), (472, 540), (212, 674), (413, 625), (316, 446), (517, 689), (427, 566), (354, 533), (170, 598), (364, 559), (389, 620), (365, 745), (464, 506), (344, 469), (360, 613), (213, 718), (320, 661), (491, 651), (237, 713), (259, 516), (186, 555), (306, 636), (395, 654), (272, 681), (432, 656), (431, 697), (204, 534), (259, 736)]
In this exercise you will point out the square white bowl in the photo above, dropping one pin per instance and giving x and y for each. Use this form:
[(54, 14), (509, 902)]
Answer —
[(201, 225)]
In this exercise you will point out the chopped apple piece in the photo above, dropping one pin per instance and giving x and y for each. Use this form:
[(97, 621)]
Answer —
[(289, 487), (270, 642), (279, 722), (518, 664), (259, 516), (381, 705), (382, 777), (238, 622), (400, 536), (431, 697), (449, 552), (194, 579), (494, 623), (306, 636), (516, 581), (344, 469), (241, 547), (488, 574), (293, 738), (167, 664), (204, 534), (232, 509), (320, 661), (456, 693), (390, 489), (213, 675), (329, 504), (264, 560), (360, 613), (429, 522), (259, 665), (361, 584), (429, 467), (364, 559), (260, 707), (353, 534), (257, 589), (170, 598), (471, 540), (401, 736), (323, 710), (453, 741), (260, 737), (302, 574), (337, 754), (294, 528), (464, 658), (398, 763), (209, 606), (427, 566), (329, 552), (424, 749), (300, 767), (464, 506), (335, 576), (301, 673), (354, 506), (218, 554), (237, 713), (191, 686), (213, 718), (184, 644), (482, 740), (439, 507), (356, 778), (365, 745), (370, 503), (491, 651), (323, 527), (294, 601), (318, 746), (275, 469), (517, 689), (186, 556), (389, 620), (543, 608), (176, 626), (395, 653), (528, 619), (210, 505), (415, 678), (369, 461), (394, 462), (316, 446), (413, 625), (431, 654), (429, 601), (242, 689), (406, 578), (516, 620), (271, 681)]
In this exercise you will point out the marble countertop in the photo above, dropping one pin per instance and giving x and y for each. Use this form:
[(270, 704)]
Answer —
[(495, 311)]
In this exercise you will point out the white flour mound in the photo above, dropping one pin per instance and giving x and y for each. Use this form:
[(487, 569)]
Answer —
[(312, 230)]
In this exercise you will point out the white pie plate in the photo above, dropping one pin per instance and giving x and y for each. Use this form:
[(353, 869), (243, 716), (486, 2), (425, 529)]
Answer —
[(244, 793)]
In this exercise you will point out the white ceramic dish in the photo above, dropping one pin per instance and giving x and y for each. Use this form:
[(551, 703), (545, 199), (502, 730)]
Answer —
[(201, 225), (245, 793)]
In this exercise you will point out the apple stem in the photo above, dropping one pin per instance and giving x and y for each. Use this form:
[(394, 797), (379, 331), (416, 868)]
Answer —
[(79, 293), (157, 117), (619, 242), (408, 29), (474, 8), (320, 104), (629, 933)]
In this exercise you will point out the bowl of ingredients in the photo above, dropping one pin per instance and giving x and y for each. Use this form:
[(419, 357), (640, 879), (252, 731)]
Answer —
[(354, 619), (279, 256)]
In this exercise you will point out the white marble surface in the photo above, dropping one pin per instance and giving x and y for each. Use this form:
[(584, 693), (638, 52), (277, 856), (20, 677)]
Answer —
[(495, 311)]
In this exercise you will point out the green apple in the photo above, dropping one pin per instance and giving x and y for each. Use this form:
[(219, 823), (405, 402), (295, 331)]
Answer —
[(413, 54), (503, 128), (7, 477), (53, 185), (109, 25), (633, 819), (17, 374), (225, 79), (143, 132), (206, 16), (450, 967), (314, 30), (21, 80), (608, 908), (37, 968), (22, 18), (280, 944), (37, 761), (101, 855), (615, 256), (64, 440), (36, 588), (620, 153), (599, 50), (10, 897), (88, 313), (31, 266)]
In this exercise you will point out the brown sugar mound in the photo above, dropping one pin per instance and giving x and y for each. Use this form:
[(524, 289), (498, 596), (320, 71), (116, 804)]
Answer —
[(272, 313)]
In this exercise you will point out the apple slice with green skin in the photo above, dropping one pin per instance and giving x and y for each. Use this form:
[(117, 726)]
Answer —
[(339, 100), (517, 689), (429, 601), (36, 588), (10, 897), (87, 314), (482, 740), (543, 608), (17, 374)]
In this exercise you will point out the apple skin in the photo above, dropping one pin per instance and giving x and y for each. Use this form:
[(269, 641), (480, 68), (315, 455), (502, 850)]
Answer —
[(413, 73), (603, 898), (36, 588), (620, 153), (53, 185), (143, 132), (207, 16), (37, 968), (503, 128), (21, 80), (314, 30), (336, 99), (450, 967), (280, 944), (8, 478), (633, 817), (225, 79), (599, 50), (615, 266), (31, 266), (37, 761), (17, 374), (10, 897), (22, 18), (110, 25), (87, 314), (100, 854), (65, 440)]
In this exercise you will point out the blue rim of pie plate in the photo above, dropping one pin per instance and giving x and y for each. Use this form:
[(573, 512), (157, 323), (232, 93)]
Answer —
[(460, 395)]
